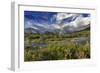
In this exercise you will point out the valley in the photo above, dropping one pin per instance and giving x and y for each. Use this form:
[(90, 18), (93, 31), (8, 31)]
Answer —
[(50, 46)]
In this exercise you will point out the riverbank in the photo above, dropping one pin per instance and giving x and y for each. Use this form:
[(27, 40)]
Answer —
[(57, 47)]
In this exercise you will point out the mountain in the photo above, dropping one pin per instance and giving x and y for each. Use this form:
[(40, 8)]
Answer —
[(65, 23)]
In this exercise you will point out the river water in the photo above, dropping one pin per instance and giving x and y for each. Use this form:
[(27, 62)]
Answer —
[(78, 40)]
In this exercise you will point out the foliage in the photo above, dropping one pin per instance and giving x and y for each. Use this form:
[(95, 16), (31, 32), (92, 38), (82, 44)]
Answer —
[(59, 47)]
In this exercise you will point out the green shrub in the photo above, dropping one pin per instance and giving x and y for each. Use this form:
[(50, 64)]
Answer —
[(59, 52), (59, 47)]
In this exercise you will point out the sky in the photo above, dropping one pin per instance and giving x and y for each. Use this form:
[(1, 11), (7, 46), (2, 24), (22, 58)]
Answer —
[(40, 17), (50, 17)]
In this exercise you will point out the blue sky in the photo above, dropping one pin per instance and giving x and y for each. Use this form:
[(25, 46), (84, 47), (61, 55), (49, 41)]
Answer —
[(40, 17), (46, 17)]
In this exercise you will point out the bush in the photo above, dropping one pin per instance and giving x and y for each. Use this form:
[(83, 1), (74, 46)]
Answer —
[(58, 52), (59, 47)]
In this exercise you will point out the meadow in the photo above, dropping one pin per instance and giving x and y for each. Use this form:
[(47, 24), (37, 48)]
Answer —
[(49, 46)]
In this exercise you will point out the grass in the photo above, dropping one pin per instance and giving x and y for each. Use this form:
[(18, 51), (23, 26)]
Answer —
[(59, 47)]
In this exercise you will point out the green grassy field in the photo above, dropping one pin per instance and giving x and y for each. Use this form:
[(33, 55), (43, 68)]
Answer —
[(41, 47)]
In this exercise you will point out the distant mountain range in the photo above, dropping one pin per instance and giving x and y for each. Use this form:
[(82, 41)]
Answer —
[(65, 23)]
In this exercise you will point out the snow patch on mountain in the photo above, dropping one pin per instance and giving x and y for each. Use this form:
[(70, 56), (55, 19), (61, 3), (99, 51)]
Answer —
[(65, 22)]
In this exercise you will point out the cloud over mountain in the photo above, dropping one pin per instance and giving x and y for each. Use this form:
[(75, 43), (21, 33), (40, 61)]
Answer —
[(60, 22)]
